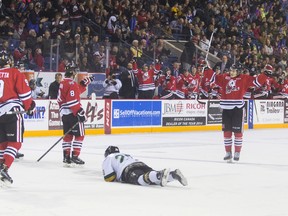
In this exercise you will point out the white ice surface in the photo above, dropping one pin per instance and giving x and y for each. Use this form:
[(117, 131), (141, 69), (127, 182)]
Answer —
[(256, 186)]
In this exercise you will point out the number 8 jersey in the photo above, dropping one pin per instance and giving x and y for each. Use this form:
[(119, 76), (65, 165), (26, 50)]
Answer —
[(69, 96)]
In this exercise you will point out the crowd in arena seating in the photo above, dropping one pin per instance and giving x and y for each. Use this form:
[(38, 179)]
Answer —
[(250, 32)]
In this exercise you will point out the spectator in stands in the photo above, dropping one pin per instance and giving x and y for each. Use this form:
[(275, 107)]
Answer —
[(161, 52), (20, 32), (21, 54), (123, 57), (204, 43), (31, 40), (54, 86), (34, 19), (85, 65), (9, 29), (62, 64), (5, 48), (102, 55), (268, 48), (188, 54), (76, 10), (39, 60), (97, 67), (136, 50), (224, 64)]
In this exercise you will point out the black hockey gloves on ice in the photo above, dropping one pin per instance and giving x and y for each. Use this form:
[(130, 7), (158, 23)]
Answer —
[(81, 115)]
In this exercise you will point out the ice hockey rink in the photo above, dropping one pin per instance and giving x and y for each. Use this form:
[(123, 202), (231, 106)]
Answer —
[(255, 186)]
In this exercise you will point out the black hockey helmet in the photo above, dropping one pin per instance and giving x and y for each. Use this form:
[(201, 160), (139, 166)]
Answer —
[(70, 69), (237, 67), (110, 150), (4, 59)]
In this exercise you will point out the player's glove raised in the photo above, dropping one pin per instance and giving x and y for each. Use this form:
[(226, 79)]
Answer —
[(32, 109), (86, 81), (81, 115)]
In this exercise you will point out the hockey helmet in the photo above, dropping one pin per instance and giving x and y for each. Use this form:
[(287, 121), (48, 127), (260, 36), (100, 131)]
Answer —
[(202, 63), (268, 70), (4, 59), (110, 150), (236, 67), (70, 69)]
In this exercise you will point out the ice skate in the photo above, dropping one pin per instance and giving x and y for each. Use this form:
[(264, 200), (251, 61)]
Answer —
[(163, 177), (76, 160), (236, 156), (19, 155), (228, 157), (66, 160), (176, 174), (5, 178)]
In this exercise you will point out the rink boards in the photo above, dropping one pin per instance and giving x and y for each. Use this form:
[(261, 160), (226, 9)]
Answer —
[(142, 116)]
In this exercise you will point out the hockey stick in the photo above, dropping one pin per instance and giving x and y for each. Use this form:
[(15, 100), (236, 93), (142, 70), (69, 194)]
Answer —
[(15, 112), (210, 42), (59, 140), (206, 60)]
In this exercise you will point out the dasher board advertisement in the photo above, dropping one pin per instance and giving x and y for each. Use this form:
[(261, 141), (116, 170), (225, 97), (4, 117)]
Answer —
[(269, 111), (136, 113), (183, 113)]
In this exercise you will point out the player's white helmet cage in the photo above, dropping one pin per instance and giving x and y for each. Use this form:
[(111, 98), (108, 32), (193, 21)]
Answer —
[(110, 150)]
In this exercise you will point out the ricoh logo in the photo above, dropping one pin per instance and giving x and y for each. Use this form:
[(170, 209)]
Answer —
[(173, 108)]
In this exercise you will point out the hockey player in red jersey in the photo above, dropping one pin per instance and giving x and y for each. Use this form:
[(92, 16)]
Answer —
[(146, 80), (168, 83), (193, 88), (184, 80), (234, 85), (266, 91), (15, 97), (71, 112), (206, 78)]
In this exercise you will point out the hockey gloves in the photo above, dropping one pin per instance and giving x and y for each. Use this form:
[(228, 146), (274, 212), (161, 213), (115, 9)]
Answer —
[(81, 115), (86, 81), (32, 109)]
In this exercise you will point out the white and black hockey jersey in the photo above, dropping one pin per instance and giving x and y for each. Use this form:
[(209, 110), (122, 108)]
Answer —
[(114, 164)]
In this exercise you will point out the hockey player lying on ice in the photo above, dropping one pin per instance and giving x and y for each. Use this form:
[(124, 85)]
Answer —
[(124, 168)]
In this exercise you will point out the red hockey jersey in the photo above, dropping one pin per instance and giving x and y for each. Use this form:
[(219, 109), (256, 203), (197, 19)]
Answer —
[(195, 84), (69, 96), (233, 89), (14, 90), (208, 77), (167, 85), (182, 86)]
